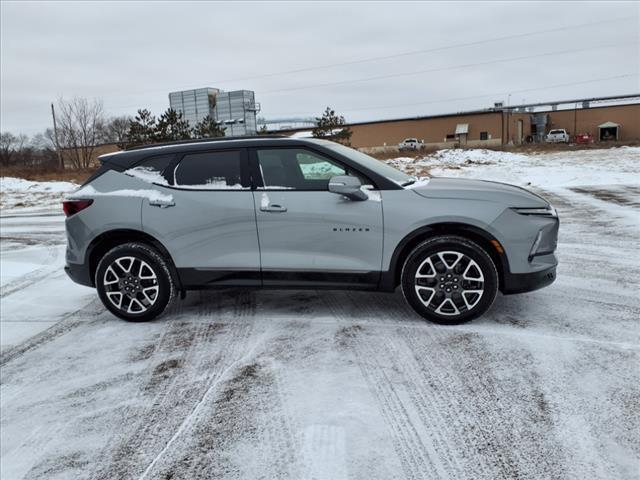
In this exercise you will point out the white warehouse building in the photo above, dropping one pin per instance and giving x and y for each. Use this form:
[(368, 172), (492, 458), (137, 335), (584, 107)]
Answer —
[(235, 111)]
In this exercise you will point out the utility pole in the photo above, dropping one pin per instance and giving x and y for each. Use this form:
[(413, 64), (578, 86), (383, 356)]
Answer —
[(55, 138)]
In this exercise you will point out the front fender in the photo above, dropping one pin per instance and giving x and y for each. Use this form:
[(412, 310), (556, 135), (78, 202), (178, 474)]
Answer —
[(406, 214)]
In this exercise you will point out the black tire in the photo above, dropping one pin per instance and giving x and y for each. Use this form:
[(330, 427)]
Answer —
[(142, 253), (433, 297)]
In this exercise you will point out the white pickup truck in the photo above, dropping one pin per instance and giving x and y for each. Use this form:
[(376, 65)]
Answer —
[(557, 135), (411, 144)]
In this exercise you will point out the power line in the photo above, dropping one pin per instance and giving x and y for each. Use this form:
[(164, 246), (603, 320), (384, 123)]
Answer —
[(473, 97), (439, 69), (427, 50), (402, 54)]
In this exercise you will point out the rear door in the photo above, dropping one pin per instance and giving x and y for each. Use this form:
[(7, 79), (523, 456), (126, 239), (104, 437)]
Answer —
[(209, 227), (308, 235)]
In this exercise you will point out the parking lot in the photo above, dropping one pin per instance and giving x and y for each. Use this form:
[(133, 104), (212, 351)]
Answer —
[(329, 385)]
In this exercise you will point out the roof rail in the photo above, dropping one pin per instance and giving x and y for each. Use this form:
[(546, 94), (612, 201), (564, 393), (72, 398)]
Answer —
[(201, 140)]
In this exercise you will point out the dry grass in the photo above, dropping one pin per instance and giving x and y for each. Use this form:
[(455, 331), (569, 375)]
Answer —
[(564, 147), (525, 148), (407, 153), (47, 175)]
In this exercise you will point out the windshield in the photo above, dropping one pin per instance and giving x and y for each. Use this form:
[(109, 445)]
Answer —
[(371, 163)]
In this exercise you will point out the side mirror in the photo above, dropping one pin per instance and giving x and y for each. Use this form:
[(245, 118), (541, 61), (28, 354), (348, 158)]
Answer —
[(348, 186)]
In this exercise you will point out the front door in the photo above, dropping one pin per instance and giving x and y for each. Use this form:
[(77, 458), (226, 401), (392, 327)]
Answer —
[(308, 235)]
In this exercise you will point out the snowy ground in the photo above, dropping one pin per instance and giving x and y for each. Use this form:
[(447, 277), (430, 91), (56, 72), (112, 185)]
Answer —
[(332, 385)]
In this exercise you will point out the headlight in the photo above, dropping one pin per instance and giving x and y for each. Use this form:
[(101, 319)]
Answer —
[(540, 212)]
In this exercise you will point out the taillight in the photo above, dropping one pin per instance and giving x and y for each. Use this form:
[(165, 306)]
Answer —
[(71, 207)]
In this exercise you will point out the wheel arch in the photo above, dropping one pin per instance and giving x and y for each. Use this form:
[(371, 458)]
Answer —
[(391, 278), (104, 242)]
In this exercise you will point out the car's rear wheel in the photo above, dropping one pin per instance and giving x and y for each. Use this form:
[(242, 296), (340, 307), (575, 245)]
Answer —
[(134, 282), (449, 280)]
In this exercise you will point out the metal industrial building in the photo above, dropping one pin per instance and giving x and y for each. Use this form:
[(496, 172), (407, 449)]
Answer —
[(235, 111), (604, 118)]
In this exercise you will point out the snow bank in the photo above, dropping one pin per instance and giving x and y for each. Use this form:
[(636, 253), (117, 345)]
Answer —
[(12, 184), (18, 194), (475, 156), (547, 169)]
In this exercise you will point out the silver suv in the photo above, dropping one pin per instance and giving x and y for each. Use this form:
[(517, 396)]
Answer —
[(275, 212)]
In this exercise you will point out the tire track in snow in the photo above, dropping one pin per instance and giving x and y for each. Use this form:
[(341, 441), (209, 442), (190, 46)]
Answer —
[(181, 373), (212, 384), (428, 393), (418, 460), (243, 409), (502, 426), (440, 378), (67, 323), (37, 275)]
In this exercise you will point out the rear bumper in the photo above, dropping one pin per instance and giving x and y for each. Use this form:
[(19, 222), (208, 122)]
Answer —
[(79, 273), (527, 282)]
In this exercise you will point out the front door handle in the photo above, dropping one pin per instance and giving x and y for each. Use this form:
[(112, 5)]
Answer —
[(274, 208)]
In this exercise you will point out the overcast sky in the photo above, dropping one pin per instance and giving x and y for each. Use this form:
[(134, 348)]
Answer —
[(131, 55)]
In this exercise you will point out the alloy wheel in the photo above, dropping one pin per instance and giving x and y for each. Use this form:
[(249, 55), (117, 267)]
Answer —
[(131, 285), (449, 283)]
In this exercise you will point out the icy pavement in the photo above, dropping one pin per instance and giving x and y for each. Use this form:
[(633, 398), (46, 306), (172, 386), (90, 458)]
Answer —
[(331, 385), (35, 292)]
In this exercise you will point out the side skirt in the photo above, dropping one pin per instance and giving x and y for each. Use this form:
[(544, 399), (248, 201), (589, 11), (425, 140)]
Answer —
[(198, 279)]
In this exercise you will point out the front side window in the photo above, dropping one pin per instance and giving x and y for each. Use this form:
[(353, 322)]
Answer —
[(297, 169), (209, 171), (377, 166)]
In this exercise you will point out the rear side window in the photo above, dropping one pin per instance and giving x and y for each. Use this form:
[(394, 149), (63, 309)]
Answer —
[(151, 169), (210, 171)]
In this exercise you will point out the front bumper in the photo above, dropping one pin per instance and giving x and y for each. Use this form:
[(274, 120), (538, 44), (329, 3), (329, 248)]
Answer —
[(527, 282), (79, 273)]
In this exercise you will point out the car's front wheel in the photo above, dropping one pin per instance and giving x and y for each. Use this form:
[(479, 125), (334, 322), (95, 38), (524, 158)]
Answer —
[(449, 280), (134, 282)]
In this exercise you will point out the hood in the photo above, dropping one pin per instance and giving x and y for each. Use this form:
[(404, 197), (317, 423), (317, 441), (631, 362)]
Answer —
[(465, 189)]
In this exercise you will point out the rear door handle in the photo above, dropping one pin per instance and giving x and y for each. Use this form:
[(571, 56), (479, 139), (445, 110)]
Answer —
[(274, 208), (162, 203)]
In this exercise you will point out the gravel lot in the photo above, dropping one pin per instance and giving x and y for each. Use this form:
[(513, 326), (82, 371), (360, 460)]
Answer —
[(329, 385)]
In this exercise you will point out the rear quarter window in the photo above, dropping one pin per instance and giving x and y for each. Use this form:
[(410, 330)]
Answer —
[(152, 169)]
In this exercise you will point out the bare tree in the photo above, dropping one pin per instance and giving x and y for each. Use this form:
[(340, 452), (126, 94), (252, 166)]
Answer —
[(7, 147), (43, 141), (19, 150), (117, 131), (10, 147), (80, 125)]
